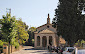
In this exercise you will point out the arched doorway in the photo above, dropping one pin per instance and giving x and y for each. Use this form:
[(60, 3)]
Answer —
[(44, 41), (50, 40), (38, 40)]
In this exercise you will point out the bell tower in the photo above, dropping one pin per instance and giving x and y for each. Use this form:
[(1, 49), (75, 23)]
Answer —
[(48, 20)]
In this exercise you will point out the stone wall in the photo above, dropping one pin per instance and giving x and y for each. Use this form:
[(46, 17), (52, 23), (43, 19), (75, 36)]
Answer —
[(5, 49), (12, 48), (47, 38)]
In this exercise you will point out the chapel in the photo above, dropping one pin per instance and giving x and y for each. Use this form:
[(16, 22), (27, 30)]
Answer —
[(46, 35)]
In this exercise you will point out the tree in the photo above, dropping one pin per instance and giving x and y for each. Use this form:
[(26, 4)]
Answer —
[(8, 28), (69, 20), (1, 35), (31, 35), (80, 43), (13, 31), (32, 29), (22, 35)]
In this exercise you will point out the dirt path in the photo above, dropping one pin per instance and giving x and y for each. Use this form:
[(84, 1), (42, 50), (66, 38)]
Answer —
[(31, 50)]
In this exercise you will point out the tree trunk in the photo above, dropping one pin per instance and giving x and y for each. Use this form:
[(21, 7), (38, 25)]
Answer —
[(9, 48)]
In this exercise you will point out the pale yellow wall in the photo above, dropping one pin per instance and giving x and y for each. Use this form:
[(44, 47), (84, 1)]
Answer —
[(47, 35)]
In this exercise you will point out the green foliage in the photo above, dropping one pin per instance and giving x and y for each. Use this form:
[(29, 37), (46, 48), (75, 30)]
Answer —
[(31, 35), (69, 20), (33, 41), (32, 29), (24, 42), (1, 43), (31, 32), (1, 35), (13, 31), (80, 43), (16, 44), (5, 43), (22, 34), (8, 27)]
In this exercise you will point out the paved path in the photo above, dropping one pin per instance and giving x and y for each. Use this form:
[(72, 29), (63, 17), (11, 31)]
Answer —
[(31, 50)]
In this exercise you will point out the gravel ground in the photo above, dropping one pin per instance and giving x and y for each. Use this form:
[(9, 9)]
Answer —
[(31, 50)]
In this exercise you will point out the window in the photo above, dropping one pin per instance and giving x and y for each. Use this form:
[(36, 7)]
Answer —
[(47, 26), (38, 40)]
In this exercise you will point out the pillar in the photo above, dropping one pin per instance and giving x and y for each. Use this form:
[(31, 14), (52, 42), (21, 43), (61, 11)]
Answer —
[(47, 40), (40, 41), (35, 41), (53, 40)]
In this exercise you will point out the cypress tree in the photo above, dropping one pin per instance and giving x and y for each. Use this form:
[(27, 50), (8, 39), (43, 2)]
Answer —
[(69, 20)]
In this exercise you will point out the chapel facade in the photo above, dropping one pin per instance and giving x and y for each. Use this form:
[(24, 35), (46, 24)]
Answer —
[(47, 35)]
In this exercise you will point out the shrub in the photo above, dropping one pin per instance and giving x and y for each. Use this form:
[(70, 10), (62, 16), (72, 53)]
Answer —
[(16, 44), (1, 44)]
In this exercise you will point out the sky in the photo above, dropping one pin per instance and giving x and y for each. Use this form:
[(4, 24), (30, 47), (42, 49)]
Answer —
[(32, 12)]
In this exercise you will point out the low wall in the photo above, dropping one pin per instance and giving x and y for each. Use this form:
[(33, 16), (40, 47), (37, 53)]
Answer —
[(80, 48), (12, 48), (2, 53)]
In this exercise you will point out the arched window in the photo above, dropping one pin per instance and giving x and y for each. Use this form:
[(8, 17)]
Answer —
[(38, 40)]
